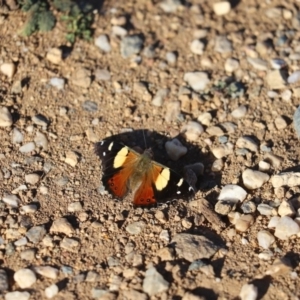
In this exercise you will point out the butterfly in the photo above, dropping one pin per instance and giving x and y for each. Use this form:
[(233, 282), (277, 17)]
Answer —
[(124, 170)]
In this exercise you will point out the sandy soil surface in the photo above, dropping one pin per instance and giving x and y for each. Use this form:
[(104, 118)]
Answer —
[(53, 210)]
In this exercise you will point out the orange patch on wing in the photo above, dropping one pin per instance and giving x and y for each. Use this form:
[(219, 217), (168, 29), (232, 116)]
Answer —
[(118, 183), (144, 196)]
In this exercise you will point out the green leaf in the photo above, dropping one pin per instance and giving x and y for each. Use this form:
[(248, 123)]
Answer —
[(46, 20)]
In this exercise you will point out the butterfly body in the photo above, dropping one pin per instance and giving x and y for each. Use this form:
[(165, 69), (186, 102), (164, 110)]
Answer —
[(124, 170)]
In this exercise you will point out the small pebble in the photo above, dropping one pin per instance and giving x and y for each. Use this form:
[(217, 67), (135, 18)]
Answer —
[(264, 166), (215, 131), (222, 44), (232, 192), (276, 80), (160, 216), (57, 82), (172, 111), (223, 150), (5, 117), (197, 47), (75, 207), (273, 222), (131, 45), (289, 179), (266, 255), (278, 63), (286, 95), (62, 225), (72, 158), (27, 148), (90, 106), (51, 291), (47, 271), (17, 296), (239, 112), (286, 209), (154, 282), (244, 222), (8, 69), (265, 239), (35, 234), (175, 149), (265, 209), (159, 97), (32, 178), (192, 130), (197, 80), (102, 42), (248, 292), (55, 55), (164, 236), (248, 207), (258, 63), (221, 8), (286, 227), (69, 244), (248, 143), (205, 118), (279, 267), (171, 58), (41, 140), (11, 200), (82, 78), (231, 65), (280, 123), (25, 278), (170, 6), (217, 165), (254, 179), (21, 242), (135, 228), (294, 77), (17, 136)]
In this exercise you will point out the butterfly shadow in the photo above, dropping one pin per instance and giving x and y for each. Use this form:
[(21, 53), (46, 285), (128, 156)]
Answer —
[(142, 139)]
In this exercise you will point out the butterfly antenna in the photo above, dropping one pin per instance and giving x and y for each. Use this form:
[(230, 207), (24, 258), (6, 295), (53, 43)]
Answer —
[(144, 139)]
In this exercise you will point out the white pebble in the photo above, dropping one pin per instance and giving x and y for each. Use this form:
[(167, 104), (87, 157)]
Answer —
[(11, 200), (221, 8), (239, 112), (286, 227), (41, 140), (32, 178), (197, 47), (243, 223), (102, 42), (17, 136), (294, 77), (265, 239), (231, 65), (248, 292), (232, 192), (205, 118), (119, 31), (217, 165), (28, 209), (8, 69), (254, 179), (264, 166), (51, 291), (58, 83), (265, 209), (289, 179), (192, 130), (286, 209), (258, 63), (248, 143), (25, 278), (47, 271), (266, 255), (197, 80), (26, 148), (171, 58), (175, 149), (286, 95), (17, 295), (5, 117), (273, 222), (223, 150)]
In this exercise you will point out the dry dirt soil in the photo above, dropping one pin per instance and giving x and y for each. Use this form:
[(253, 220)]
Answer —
[(120, 104)]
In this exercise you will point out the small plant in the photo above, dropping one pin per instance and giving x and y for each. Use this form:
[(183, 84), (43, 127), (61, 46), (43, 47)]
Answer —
[(40, 17), (78, 18)]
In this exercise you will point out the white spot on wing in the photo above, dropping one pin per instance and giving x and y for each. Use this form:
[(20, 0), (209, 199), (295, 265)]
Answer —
[(104, 153), (162, 179), (190, 188), (179, 183), (178, 192), (110, 146)]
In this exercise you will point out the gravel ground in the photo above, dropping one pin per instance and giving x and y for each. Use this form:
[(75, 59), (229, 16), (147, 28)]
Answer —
[(224, 80)]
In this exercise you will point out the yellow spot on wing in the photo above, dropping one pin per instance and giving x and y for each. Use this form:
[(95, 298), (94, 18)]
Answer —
[(121, 157), (180, 182), (162, 179)]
